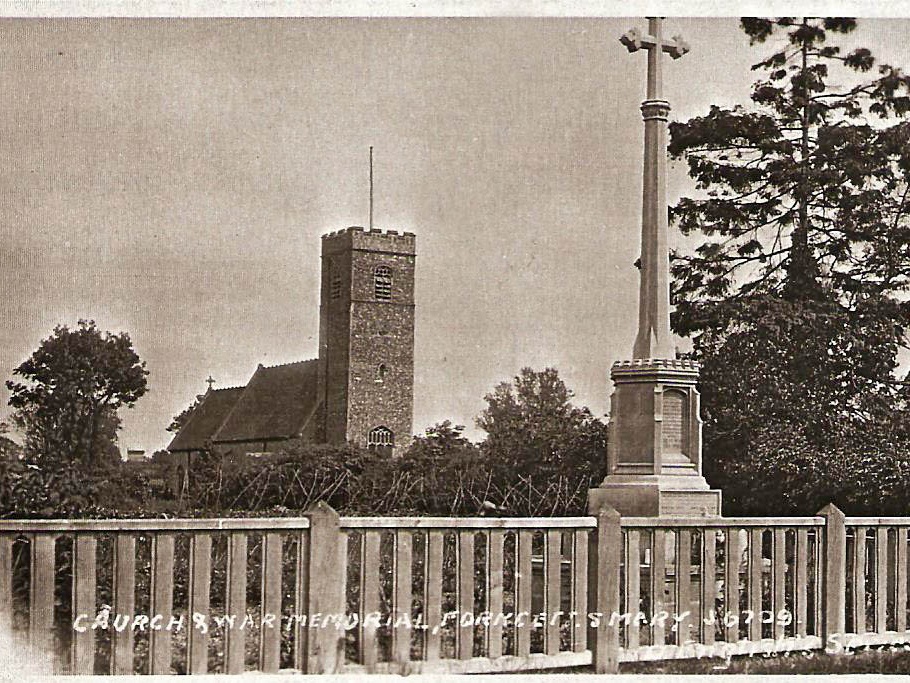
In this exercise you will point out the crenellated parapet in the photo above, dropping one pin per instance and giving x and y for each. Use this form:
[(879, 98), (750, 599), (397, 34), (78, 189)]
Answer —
[(358, 238), (655, 369)]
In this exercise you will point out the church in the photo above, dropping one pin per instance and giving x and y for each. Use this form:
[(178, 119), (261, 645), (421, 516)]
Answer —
[(359, 390)]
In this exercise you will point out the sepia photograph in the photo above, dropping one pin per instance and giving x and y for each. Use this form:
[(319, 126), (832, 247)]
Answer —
[(438, 338)]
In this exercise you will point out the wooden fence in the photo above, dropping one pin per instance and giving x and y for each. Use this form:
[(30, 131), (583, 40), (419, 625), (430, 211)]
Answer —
[(323, 594)]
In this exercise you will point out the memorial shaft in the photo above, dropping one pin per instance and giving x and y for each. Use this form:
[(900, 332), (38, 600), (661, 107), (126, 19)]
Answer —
[(653, 338)]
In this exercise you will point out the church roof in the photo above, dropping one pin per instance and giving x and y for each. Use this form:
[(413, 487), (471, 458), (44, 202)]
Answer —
[(205, 419), (276, 404)]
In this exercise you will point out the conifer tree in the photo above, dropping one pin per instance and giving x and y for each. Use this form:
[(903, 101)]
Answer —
[(807, 187), (794, 295)]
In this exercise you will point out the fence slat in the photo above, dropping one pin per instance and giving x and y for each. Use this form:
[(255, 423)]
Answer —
[(84, 578), (6, 579), (731, 582), (328, 548), (778, 600), (494, 592), (552, 592), (900, 578), (800, 591), (579, 590), (708, 586), (859, 579), (162, 594), (833, 549), (401, 597), (235, 638), (435, 544), (683, 584), (124, 601), (755, 582), (465, 634), (819, 561), (270, 607), (200, 582), (41, 594), (881, 579), (301, 590), (523, 586), (658, 583), (606, 558), (633, 587), (369, 598)]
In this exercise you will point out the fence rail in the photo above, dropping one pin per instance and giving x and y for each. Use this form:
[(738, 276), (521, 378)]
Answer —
[(323, 594)]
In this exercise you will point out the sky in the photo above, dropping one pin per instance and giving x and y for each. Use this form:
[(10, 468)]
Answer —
[(171, 178)]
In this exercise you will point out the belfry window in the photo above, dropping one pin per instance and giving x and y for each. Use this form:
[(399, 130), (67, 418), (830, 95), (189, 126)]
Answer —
[(335, 284), (381, 440), (382, 283)]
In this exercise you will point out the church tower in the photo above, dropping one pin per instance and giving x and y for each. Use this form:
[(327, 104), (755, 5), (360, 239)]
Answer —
[(366, 338)]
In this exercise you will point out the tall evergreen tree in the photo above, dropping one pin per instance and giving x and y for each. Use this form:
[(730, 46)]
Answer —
[(805, 188), (794, 295)]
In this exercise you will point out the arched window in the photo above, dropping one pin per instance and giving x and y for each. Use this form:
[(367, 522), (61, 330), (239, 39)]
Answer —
[(381, 372), (382, 283), (381, 440)]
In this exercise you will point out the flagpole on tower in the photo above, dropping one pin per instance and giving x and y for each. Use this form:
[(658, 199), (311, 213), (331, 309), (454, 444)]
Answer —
[(371, 187)]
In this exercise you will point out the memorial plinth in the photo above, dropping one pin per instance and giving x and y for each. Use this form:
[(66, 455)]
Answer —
[(654, 451)]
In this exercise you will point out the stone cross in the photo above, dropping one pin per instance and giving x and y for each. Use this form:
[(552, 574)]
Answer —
[(653, 339), (654, 449), (210, 381)]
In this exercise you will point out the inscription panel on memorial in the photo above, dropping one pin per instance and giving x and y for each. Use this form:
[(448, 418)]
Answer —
[(636, 423), (689, 503), (674, 422)]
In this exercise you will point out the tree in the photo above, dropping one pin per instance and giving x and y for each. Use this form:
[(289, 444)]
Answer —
[(71, 389), (532, 425), (792, 410), (442, 440), (811, 184), (802, 362), (183, 416), (794, 296), (864, 472), (9, 449)]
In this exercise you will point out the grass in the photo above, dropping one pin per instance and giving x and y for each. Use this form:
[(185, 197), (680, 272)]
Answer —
[(889, 659)]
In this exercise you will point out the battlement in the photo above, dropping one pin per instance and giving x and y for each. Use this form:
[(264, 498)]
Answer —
[(374, 239), (371, 231), (648, 369), (647, 363)]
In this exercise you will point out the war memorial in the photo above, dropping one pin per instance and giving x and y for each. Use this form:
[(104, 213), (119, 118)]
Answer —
[(654, 572)]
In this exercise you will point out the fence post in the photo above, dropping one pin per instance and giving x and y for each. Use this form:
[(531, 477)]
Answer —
[(605, 558), (834, 588), (327, 568)]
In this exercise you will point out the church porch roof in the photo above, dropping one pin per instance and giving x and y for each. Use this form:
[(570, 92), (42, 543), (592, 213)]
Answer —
[(205, 419), (275, 404)]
